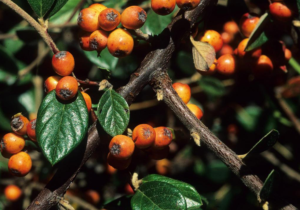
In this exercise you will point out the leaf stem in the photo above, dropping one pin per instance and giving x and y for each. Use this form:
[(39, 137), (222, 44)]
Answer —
[(43, 32)]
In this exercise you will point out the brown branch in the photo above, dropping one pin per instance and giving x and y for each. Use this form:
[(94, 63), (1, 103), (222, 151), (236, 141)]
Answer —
[(44, 34), (88, 82), (162, 81)]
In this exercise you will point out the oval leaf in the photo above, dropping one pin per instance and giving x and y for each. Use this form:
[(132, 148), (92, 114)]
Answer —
[(113, 113), (41, 7), (212, 86), (190, 194), (60, 126), (258, 36), (265, 143), (157, 196), (270, 186), (203, 54), (58, 4)]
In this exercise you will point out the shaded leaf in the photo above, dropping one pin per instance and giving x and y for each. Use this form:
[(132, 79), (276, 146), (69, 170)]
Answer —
[(105, 61), (203, 54), (8, 67), (60, 127), (156, 195), (41, 7), (212, 86), (217, 172), (64, 13), (113, 113), (248, 117), (270, 186), (267, 142), (58, 4), (122, 203), (190, 194), (258, 36)]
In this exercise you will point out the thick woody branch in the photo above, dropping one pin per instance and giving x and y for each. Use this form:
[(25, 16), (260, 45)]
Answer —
[(161, 81), (42, 31)]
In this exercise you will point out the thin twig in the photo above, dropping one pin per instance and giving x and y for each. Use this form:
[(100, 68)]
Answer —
[(44, 34), (88, 82)]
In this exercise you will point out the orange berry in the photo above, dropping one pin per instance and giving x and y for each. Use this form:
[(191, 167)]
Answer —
[(19, 164), (12, 143), (248, 23), (163, 7), (63, 63), (195, 110), (226, 37), (110, 170), (51, 83), (12, 192), (133, 17), (88, 19), (163, 166), (18, 124), (163, 137), (226, 64), (98, 40), (121, 147), (158, 153), (213, 38), (187, 4), (109, 19), (226, 49), (280, 12), (31, 130), (98, 7), (183, 91), (84, 41), (67, 88), (231, 27), (287, 54), (120, 43), (92, 196), (117, 163), (143, 136), (128, 189), (263, 66), (88, 101), (241, 50)]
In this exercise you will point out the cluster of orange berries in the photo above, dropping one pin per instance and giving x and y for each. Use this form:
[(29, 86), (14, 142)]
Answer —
[(97, 20), (226, 63), (184, 92), (12, 144), (66, 86), (154, 141)]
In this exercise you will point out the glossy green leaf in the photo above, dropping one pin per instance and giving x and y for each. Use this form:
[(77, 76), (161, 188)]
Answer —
[(117, 4), (267, 142), (190, 194), (270, 186), (113, 113), (58, 4), (258, 36), (61, 126), (41, 7), (212, 86), (156, 195), (155, 23), (64, 13)]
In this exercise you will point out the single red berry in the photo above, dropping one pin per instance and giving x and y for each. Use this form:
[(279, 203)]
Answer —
[(63, 63), (195, 110), (88, 19), (109, 19), (121, 147), (143, 136), (19, 124), (133, 17), (120, 43), (163, 7), (226, 64), (183, 91), (12, 143), (67, 88), (31, 130), (20, 164), (187, 4), (280, 11), (163, 137), (213, 38), (248, 23), (51, 83)]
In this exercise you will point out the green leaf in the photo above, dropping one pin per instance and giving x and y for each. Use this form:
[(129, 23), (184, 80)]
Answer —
[(270, 186), (248, 117), (155, 23), (113, 113), (8, 67), (212, 86), (61, 126), (122, 203), (217, 172), (184, 61), (105, 61), (258, 36), (65, 11), (158, 195), (58, 4), (190, 194), (117, 4), (41, 7), (267, 142)]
